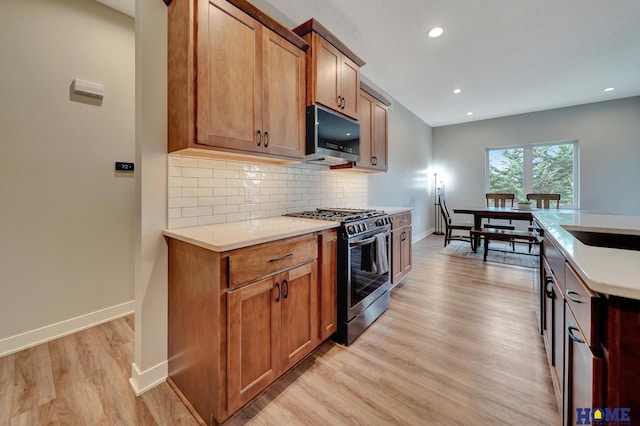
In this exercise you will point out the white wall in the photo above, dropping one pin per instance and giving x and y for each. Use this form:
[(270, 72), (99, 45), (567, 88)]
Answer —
[(409, 181), (609, 144), (67, 218)]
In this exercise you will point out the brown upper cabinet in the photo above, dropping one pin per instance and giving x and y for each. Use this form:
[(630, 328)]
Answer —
[(374, 110), (236, 81), (333, 70)]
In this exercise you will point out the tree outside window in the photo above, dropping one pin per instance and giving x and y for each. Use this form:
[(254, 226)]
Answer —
[(536, 168)]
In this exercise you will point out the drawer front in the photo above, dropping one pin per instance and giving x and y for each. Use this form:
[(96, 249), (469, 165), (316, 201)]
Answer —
[(556, 262), (401, 220), (250, 264), (585, 306)]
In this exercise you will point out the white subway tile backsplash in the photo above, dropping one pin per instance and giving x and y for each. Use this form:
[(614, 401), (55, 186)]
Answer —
[(183, 202), (197, 192), (197, 211), (207, 191), (196, 172), (212, 183), (219, 210)]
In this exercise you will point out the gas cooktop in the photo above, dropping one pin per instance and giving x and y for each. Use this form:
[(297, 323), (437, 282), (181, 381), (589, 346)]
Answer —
[(338, 214)]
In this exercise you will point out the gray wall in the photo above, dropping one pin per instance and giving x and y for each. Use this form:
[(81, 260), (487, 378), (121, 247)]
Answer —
[(67, 218), (609, 145), (409, 181)]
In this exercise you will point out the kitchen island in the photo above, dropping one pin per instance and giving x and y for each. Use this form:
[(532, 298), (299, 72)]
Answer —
[(589, 314)]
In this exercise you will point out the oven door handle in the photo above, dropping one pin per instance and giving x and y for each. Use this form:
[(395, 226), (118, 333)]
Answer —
[(365, 242)]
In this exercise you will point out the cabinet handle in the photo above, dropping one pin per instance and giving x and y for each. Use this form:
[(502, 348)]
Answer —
[(344, 103), (548, 290), (278, 259), (278, 296), (259, 137), (339, 101), (374, 160), (570, 330), (266, 139), (285, 286), (570, 293)]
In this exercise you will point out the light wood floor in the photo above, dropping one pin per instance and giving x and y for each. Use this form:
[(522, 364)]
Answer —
[(458, 345)]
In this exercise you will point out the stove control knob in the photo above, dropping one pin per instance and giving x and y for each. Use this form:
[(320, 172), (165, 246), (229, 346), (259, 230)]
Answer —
[(350, 229), (379, 222), (364, 227)]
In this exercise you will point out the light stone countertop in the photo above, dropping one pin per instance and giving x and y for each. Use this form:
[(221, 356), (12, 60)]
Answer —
[(390, 210), (228, 236), (605, 270)]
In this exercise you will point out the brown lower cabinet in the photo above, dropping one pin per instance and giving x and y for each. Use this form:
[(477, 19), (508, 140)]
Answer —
[(592, 343), (272, 326), (400, 247), (240, 319)]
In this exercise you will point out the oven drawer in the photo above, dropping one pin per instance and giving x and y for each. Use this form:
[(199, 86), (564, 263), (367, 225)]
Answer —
[(250, 264), (585, 306), (401, 220)]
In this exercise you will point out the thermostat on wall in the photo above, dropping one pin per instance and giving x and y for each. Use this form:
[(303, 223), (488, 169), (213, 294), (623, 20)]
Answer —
[(87, 88)]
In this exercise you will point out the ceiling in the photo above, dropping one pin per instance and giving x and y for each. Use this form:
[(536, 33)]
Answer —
[(507, 57)]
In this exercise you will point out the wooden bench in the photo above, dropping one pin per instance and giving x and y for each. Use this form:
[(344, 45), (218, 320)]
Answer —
[(511, 235)]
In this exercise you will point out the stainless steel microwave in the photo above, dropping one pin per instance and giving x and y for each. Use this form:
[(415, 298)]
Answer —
[(331, 137)]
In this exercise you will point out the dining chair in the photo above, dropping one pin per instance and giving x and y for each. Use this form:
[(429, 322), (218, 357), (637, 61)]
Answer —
[(450, 227), (500, 199), (543, 201)]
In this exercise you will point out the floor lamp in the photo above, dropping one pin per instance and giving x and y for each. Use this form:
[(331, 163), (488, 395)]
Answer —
[(436, 207)]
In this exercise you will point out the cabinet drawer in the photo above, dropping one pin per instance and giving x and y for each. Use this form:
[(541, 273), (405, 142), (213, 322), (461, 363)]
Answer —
[(401, 220), (250, 264), (585, 306), (556, 262)]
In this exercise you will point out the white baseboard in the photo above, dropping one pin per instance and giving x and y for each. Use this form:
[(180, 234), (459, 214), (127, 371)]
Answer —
[(150, 378), (418, 237), (47, 333)]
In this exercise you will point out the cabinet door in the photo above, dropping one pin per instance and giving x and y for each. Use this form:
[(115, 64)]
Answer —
[(328, 63), (254, 339), (583, 380), (229, 79), (405, 254), (299, 313), (379, 136), (284, 97), (366, 109), (327, 282), (557, 337), (349, 87)]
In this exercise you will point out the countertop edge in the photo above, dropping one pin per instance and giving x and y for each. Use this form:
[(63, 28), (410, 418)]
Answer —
[(175, 234)]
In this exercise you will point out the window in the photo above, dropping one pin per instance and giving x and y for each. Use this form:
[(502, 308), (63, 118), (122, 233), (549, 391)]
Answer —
[(543, 168)]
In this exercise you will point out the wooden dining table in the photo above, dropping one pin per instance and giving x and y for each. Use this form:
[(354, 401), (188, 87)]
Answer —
[(511, 213)]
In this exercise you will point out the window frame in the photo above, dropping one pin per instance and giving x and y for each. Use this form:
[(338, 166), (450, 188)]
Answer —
[(527, 157)]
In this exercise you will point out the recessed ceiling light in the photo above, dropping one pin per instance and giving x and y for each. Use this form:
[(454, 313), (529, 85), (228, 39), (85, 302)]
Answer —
[(469, 113), (456, 91), (435, 32), (609, 89)]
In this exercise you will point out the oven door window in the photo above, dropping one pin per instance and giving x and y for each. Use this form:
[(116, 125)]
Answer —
[(366, 275)]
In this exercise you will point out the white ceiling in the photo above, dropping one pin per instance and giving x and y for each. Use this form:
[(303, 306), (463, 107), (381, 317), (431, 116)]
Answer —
[(508, 57)]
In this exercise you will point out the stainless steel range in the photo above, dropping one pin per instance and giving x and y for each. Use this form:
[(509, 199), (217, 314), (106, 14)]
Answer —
[(363, 267)]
